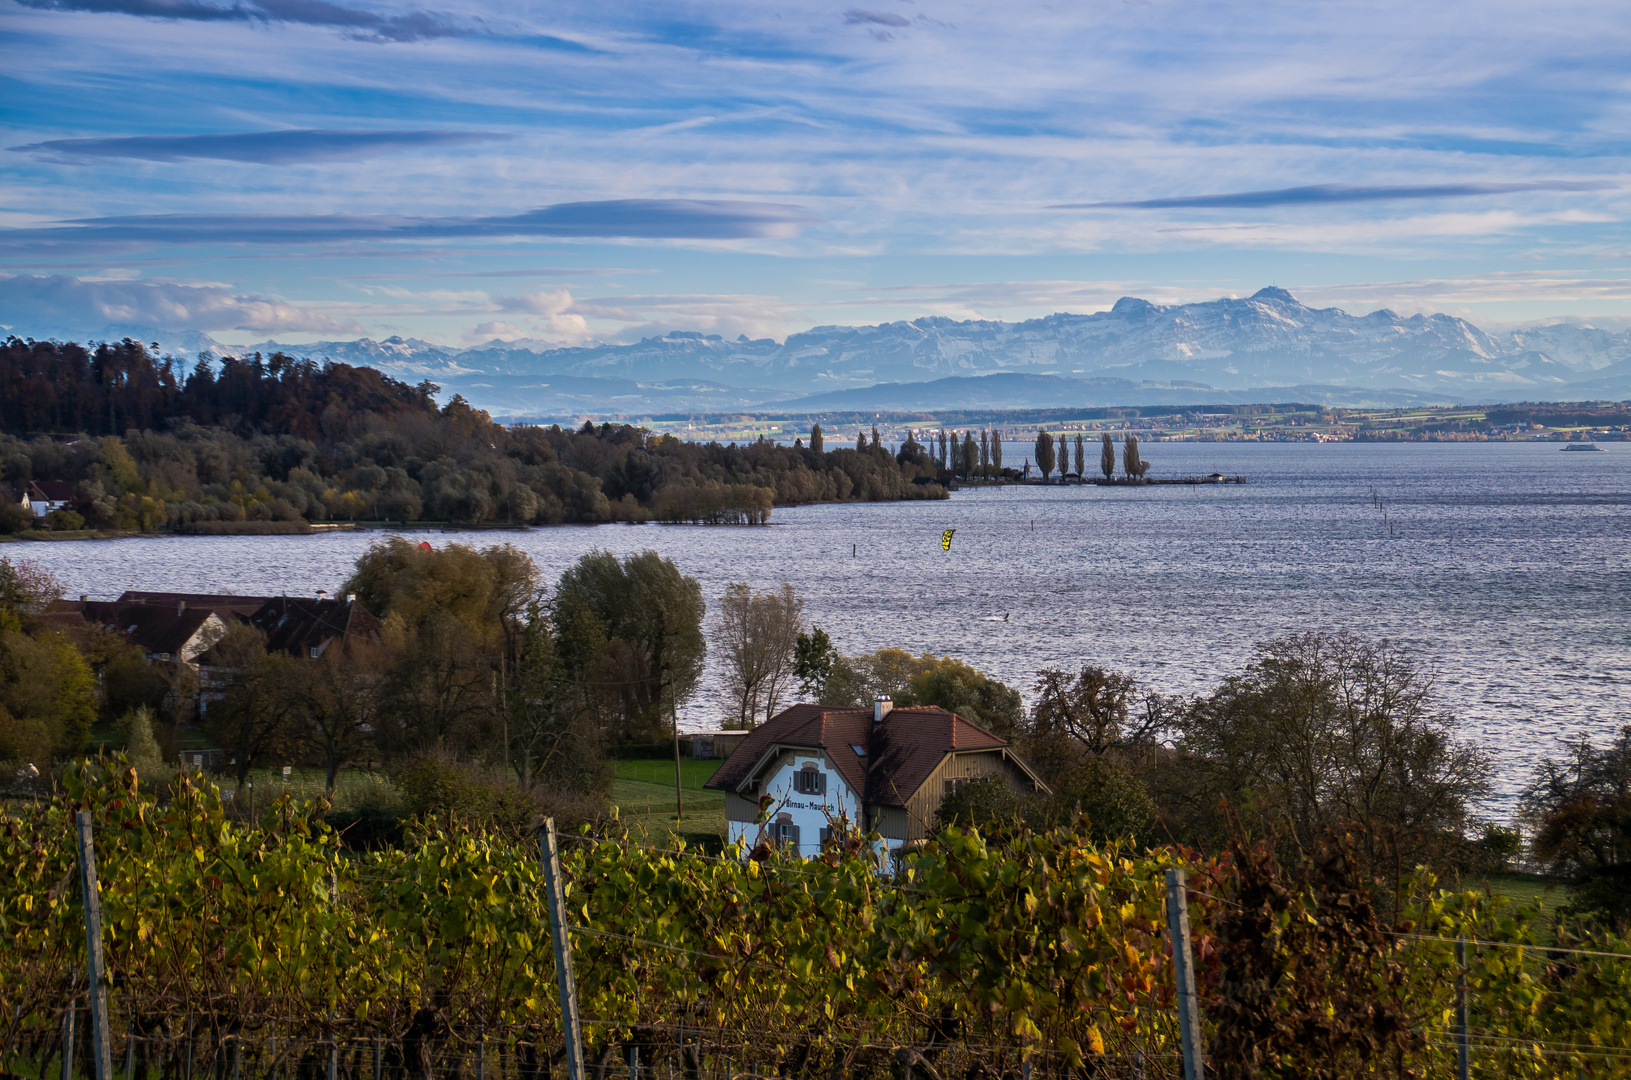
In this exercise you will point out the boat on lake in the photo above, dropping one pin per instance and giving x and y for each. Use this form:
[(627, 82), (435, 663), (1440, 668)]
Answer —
[(1583, 446)]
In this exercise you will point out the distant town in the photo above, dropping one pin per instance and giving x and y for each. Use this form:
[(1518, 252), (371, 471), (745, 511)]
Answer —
[(1293, 422)]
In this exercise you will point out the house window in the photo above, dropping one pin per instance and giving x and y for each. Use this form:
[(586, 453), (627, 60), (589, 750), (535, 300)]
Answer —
[(316, 652), (787, 835), (810, 782)]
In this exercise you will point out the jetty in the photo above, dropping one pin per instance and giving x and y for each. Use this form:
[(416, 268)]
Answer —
[(1143, 481)]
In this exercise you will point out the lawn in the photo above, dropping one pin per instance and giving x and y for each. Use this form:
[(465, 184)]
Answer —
[(1531, 891), (644, 794)]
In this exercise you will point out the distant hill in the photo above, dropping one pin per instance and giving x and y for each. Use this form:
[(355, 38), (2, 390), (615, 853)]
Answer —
[(1266, 345)]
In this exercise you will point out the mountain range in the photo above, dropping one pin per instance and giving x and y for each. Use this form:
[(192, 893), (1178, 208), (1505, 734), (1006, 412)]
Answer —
[(1265, 347)]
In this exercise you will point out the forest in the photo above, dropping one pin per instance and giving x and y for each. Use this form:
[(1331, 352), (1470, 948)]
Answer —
[(241, 444)]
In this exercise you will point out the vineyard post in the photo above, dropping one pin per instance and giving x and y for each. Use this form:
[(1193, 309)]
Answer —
[(334, 1033), (68, 1040), (563, 950), (92, 893), (1183, 973), (1463, 1062)]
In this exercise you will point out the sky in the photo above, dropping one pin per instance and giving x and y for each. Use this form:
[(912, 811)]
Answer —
[(459, 171)]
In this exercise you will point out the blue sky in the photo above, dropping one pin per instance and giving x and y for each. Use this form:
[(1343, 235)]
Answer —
[(456, 171)]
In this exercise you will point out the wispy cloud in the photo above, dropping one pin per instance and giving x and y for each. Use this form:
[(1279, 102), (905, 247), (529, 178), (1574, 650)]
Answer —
[(77, 306), (1335, 193), (256, 147), (859, 17), (651, 219), (354, 22)]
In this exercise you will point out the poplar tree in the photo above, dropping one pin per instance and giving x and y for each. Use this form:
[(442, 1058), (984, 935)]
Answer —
[(860, 441), (996, 451), (815, 439), (985, 454), (1081, 457), (1131, 463), (1107, 457), (1044, 454)]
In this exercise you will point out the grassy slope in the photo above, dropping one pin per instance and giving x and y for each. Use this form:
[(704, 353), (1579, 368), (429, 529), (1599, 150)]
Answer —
[(644, 794)]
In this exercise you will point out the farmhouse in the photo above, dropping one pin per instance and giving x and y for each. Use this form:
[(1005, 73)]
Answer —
[(881, 769)]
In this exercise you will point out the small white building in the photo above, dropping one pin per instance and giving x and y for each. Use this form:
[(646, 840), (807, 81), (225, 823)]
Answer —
[(815, 769), (41, 497)]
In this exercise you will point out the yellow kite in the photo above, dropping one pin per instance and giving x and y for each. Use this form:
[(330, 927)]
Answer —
[(945, 539)]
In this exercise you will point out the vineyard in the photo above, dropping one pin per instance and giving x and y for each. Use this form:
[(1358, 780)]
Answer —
[(270, 950)]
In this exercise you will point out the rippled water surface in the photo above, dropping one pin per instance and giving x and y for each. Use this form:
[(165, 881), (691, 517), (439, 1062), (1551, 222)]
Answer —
[(1508, 568)]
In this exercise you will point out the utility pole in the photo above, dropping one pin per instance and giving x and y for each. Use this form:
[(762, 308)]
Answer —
[(92, 893), (1183, 972), (555, 889), (679, 790)]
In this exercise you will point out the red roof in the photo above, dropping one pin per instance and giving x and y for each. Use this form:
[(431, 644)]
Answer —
[(899, 754)]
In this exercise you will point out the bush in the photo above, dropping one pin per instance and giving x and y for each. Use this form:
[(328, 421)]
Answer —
[(435, 787), (980, 804), (141, 748), (1116, 805)]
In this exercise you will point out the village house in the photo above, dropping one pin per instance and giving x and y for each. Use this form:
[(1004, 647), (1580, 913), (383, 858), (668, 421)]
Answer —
[(882, 770), (41, 497), (173, 633)]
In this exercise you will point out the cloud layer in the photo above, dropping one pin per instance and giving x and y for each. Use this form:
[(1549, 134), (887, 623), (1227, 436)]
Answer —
[(1314, 194), (354, 22), (648, 219), (58, 304), (256, 147)]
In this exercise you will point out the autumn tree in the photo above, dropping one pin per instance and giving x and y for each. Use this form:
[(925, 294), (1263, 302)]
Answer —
[(653, 619), (756, 635)]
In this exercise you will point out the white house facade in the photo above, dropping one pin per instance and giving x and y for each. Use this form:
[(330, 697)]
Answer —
[(810, 773)]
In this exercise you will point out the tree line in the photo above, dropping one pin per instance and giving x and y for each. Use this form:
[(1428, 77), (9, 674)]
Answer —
[(243, 444), (487, 683)]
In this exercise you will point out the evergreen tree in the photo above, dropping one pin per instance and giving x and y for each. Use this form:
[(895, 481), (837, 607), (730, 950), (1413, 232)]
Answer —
[(1107, 456), (141, 748)]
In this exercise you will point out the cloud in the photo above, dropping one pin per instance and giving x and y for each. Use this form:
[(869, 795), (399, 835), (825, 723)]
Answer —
[(857, 16), (258, 147), (61, 304), (647, 219), (553, 306), (1333, 193), (355, 22)]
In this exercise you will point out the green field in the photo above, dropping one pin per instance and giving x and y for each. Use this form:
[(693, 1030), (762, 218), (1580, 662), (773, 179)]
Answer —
[(644, 794)]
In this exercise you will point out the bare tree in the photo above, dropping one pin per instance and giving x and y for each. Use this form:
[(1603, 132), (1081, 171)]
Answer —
[(757, 633)]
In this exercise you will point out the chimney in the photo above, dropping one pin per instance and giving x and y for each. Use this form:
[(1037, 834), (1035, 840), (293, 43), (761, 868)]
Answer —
[(351, 598), (84, 597), (880, 708), (322, 594)]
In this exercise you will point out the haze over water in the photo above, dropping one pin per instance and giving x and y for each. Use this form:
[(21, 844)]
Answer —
[(1508, 572)]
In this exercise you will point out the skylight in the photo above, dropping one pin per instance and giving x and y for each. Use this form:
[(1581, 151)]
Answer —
[(860, 751)]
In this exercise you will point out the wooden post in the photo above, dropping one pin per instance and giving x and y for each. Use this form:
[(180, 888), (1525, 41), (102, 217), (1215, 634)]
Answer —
[(1183, 973), (68, 1040), (556, 889), (679, 795), (334, 1036), (1463, 1048), (101, 1055)]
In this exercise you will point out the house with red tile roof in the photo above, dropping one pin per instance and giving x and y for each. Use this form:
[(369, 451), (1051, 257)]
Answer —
[(881, 770)]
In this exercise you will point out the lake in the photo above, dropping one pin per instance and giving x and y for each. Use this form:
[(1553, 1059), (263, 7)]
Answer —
[(1505, 566)]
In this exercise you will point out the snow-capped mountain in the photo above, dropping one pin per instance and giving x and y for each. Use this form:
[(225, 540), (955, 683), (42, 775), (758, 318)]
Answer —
[(1265, 345)]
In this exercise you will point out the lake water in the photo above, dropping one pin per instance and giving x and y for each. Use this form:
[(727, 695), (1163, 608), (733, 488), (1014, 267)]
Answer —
[(1507, 569)]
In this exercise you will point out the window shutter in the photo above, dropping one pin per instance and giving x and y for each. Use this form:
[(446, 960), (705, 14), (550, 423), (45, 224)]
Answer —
[(826, 835), (821, 783), (793, 839)]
